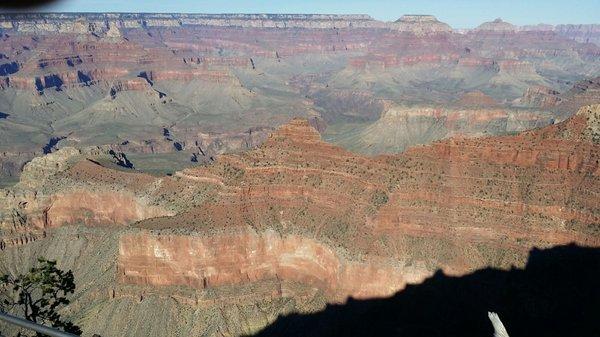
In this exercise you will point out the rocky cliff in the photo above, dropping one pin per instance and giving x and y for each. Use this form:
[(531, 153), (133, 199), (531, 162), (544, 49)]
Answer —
[(220, 83), (109, 24), (304, 222), (581, 94), (401, 127)]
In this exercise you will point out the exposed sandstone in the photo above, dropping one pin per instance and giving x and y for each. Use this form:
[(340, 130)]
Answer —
[(218, 260), (101, 207), (256, 186), (44, 198), (37, 170), (101, 23), (583, 93), (474, 114), (209, 74), (113, 31), (294, 223), (583, 33), (297, 218)]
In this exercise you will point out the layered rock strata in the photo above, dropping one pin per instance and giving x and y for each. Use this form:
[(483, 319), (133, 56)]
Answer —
[(298, 218)]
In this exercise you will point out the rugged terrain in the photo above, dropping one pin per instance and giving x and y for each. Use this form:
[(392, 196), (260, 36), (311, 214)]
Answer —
[(183, 88), (206, 174), (295, 223)]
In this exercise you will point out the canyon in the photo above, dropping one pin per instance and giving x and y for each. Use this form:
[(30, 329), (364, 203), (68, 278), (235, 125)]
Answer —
[(297, 222), (193, 86), (215, 175)]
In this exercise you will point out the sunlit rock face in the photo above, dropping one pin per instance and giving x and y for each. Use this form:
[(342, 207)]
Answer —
[(221, 83), (437, 169), (480, 195), (297, 220), (58, 189), (105, 208), (236, 258)]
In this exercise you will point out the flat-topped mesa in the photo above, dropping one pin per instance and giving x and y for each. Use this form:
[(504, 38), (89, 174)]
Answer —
[(134, 16), (497, 25), (412, 18), (106, 24), (80, 24), (97, 22), (420, 24), (284, 16)]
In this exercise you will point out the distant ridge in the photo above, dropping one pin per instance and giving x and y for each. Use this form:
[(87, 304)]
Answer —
[(278, 20)]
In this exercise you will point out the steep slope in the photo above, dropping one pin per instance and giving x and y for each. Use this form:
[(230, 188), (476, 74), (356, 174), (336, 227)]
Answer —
[(585, 92), (221, 83), (403, 126), (297, 223)]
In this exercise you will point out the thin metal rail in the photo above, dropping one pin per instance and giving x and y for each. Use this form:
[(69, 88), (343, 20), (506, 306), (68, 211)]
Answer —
[(23, 323)]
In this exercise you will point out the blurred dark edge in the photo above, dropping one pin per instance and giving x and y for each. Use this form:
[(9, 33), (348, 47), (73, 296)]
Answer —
[(25, 4)]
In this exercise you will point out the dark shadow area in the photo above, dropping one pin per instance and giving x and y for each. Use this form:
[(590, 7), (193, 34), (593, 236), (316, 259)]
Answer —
[(39, 85), (3, 115), (8, 68), (50, 81), (121, 159), (83, 78), (51, 145), (53, 81), (25, 4), (144, 75), (557, 294)]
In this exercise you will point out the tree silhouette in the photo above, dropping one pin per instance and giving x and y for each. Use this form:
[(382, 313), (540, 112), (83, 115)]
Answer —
[(39, 294)]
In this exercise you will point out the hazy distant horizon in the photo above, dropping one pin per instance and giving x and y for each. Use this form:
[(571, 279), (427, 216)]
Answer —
[(457, 13)]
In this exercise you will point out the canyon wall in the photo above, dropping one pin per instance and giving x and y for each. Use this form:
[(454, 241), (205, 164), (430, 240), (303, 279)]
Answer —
[(226, 259), (304, 222), (481, 191), (81, 79)]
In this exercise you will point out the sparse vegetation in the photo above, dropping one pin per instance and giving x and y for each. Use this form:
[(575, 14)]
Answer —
[(379, 198), (39, 295)]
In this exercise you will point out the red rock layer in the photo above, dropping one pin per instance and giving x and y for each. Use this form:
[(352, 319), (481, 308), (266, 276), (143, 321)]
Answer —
[(457, 205), (298, 209), (227, 259), (90, 208)]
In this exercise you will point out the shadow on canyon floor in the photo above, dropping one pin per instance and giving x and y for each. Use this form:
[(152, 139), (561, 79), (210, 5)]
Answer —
[(557, 294)]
